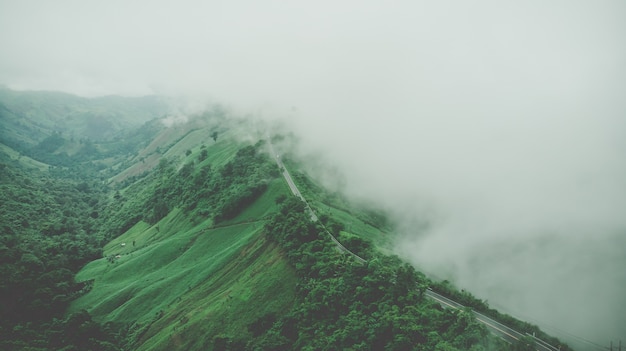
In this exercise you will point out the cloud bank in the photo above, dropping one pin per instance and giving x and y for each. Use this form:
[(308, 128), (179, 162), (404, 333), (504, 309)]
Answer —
[(495, 132)]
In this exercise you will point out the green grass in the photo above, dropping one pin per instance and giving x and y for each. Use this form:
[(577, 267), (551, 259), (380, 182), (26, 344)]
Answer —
[(175, 142), (184, 281), (354, 225), (219, 152), (265, 204), (25, 161), (253, 283), (355, 219)]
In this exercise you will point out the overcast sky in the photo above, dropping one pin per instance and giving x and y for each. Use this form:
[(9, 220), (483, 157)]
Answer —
[(498, 128)]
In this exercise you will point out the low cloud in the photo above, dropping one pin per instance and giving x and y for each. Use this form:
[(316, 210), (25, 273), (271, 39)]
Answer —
[(494, 132), (174, 119)]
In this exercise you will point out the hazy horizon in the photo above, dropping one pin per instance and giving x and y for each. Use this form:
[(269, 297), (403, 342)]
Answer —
[(494, 132)]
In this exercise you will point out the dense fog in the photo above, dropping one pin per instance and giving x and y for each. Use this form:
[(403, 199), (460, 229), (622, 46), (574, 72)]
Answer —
[(494, 132)]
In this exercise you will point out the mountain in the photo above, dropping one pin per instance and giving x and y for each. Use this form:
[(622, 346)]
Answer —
[(189, 237), (41, 129), (29, 117)]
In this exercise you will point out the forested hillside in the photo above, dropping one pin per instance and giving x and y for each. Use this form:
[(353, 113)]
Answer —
[(49, 225), (29, 117), (53, 192), (187, 237)]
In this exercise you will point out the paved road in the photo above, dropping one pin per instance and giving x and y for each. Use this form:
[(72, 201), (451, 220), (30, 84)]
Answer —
[(296, 192), (493, 326), (496, 328), (286, 175)]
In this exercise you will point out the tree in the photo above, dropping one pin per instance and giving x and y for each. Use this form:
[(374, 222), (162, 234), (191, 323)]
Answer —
[(203, 155), (160, 210), (262, 324), (525, 343), (280, 199)]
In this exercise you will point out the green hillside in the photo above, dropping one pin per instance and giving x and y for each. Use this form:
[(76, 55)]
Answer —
[(182, 280), (162, 281), (68, 131), (200, 276), (30, 116), (187, 237)]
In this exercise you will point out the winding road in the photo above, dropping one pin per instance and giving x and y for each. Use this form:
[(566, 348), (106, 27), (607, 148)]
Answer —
[(493, 326), (499, 329), (296, 192)]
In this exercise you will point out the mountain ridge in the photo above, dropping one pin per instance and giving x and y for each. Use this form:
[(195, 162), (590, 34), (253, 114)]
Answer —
[(203, 247)]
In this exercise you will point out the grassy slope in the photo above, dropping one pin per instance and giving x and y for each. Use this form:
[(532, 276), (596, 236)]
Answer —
[(175, 141), (24, 161), (32, 115), (355, 220), (185, 281), (186, 275)]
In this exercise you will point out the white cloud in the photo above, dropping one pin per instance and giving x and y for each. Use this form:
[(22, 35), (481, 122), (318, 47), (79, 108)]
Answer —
[(500, 123)]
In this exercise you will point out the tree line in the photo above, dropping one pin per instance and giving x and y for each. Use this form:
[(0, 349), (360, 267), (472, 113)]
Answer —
[(47, 234), (343, 304)]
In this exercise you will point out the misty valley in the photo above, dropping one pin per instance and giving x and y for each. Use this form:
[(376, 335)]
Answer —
[(322, 175), (127, 227)]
